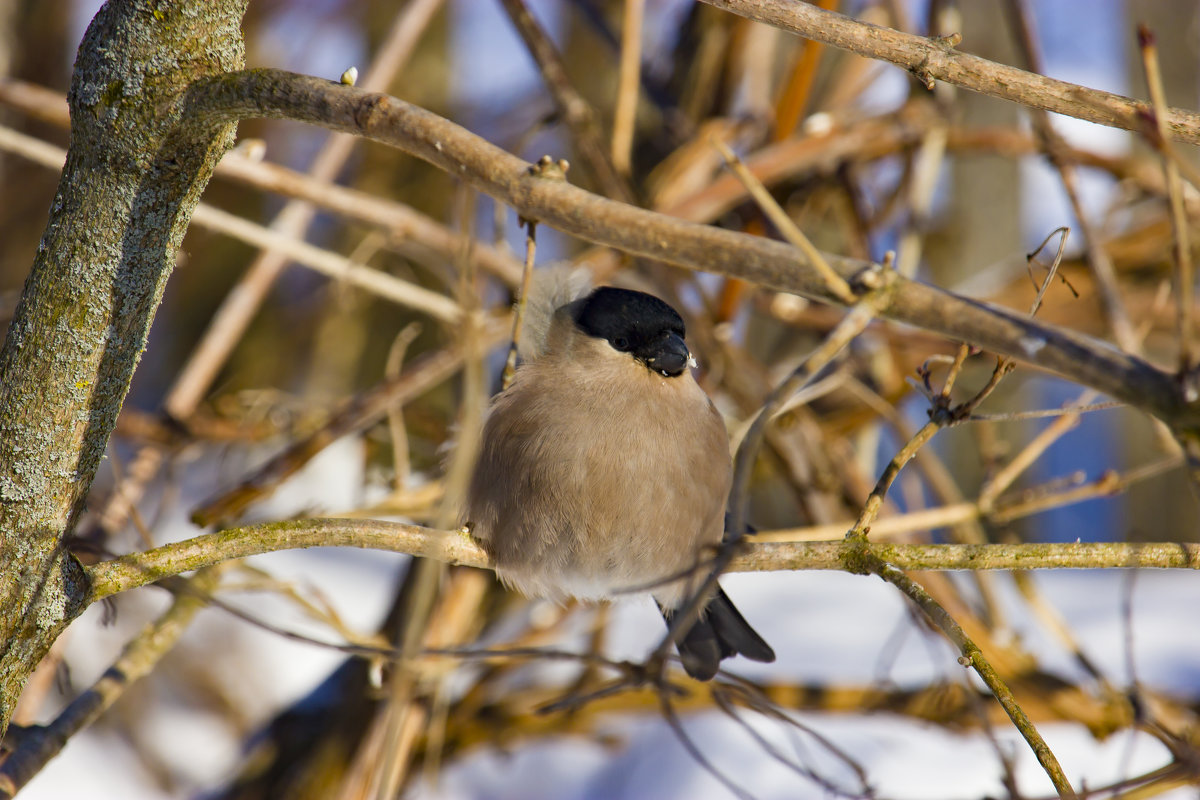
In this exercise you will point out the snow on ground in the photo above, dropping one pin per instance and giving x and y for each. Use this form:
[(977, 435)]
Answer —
[(827, 628)]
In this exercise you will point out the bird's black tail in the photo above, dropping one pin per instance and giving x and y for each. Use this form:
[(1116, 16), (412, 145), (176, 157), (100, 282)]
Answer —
[(721, 632)]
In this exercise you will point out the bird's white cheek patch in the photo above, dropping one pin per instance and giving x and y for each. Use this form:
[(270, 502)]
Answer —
[(691, 362)]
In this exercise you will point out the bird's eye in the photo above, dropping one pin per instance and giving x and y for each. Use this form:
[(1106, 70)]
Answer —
[(621, 343)]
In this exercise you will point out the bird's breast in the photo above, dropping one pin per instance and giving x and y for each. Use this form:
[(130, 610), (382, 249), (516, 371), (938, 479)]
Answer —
[(591, 483)]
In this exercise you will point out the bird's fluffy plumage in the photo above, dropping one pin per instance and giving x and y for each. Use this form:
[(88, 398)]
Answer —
[(601, 471), (551, 289)]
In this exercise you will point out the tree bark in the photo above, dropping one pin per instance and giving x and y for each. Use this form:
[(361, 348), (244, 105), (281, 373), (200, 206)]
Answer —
[(131, 181)]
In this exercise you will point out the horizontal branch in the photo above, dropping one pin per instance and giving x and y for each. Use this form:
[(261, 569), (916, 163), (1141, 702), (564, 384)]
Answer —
[(555, 202), (402, 222), (139, 569), (461, 153), (457, 547), (933, 59)]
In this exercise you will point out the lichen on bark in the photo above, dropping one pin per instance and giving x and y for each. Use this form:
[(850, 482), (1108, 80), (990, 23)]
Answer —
[(132, 178)]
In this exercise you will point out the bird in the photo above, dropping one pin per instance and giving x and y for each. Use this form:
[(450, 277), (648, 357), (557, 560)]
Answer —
[(604, 467)]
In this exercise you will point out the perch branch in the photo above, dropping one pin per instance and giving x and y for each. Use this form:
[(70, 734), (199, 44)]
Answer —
[(455, 547)]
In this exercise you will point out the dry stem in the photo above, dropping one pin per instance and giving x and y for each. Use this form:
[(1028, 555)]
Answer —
[(932, 60)]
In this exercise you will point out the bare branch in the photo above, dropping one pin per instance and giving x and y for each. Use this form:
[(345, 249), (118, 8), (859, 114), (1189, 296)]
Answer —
[(933, 60), (125, 198), (139, 657), (276, 93), (356, 414), (576, 111), (457, 547), (973, 657)]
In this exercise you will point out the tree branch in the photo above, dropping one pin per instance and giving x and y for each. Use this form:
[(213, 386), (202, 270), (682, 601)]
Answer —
[(934, 60), (280, 94), (132, 178), (456, 547), (972, 657), (40, 744)]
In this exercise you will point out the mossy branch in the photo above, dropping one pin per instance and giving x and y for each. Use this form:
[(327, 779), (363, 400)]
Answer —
[(971, 656), (456, 547)]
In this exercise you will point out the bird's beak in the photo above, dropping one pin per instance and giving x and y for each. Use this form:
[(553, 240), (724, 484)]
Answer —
[(671, 357)]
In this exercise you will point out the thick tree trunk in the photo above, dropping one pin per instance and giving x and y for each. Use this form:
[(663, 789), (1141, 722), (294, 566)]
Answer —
[(132, 178)]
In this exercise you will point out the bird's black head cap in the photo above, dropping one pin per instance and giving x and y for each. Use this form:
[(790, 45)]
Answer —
[(636, 323)]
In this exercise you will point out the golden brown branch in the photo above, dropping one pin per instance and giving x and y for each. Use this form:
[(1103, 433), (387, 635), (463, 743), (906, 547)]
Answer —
[(933, 60), (456, 547)]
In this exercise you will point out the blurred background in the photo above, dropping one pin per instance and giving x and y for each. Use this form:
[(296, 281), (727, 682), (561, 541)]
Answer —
[(293, 369)]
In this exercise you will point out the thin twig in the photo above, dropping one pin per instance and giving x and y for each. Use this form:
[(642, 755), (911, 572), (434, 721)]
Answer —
[(1063, 232), (357, 413), (138, 658), (693, 750), (1097, 256), (927, 165), (1029, 454), (1044, 413), (768, 747), (752, 696), (628, 83), (395, 412), (402, 222), (874, 501), (931, 60), (973, 657), (1003, 510), (330, 264), (576, 110), (780, 219), (1179, 223), (960, 358), (510, 364)]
